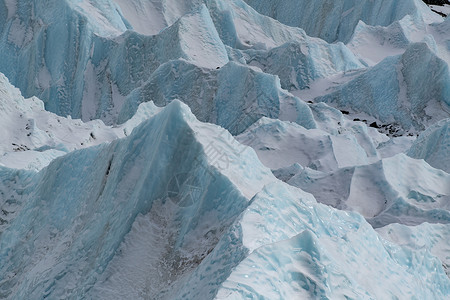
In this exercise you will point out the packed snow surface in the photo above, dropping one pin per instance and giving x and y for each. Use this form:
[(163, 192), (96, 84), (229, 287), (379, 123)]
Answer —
[(224, 149)]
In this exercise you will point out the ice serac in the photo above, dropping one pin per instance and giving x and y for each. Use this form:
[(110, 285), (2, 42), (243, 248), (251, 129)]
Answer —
[(281, 144), (150, 17), (434, 237), (372, 44), (233, 96), (76, 212), (32, 137), (411, 90), (398, 189), (299, 63), (50, 42), (80, 71), (433, 145), (276, 48), (302, 249), (336, 20)]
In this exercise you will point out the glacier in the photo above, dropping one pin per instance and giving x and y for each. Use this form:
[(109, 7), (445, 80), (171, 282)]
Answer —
[(105, 66), (313, 16), (406, 93), (94, 218), (224, 149), (433, 145)]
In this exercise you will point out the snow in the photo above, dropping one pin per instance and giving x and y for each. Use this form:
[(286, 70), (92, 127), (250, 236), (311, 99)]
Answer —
[(146, 17), (398, 189), (33, 137), (433, 237), (375, 43), (445, 9), (206, 149), (280, 144), (103, 16), (403, 87), (433, 145), (313, 16)]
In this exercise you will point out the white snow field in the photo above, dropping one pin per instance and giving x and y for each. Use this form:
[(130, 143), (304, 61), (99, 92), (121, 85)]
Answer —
[(224, 149)]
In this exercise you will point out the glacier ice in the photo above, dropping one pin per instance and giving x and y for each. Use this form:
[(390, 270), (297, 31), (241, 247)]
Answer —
[(234, 96), (398, 189), (400, 89), (223, 204), (105, 67), (280, 144), (100, 71), (324, 173), (295, 253), (433, 145), (313, 16), (69, 215), (298, 64), (433, 237)]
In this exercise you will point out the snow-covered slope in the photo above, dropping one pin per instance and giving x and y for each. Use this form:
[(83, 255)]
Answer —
[(32, 137), (314, 16), (280, 144), (95, 195), (80, 71), (202, 149), (411, 90), (374, 43), (433, 145), (398, 189)]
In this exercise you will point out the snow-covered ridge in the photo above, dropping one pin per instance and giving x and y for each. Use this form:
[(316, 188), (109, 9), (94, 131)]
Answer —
[(314, 16), (105, 200), (32, 137), (411, 90), (94, 78), (229, 155)]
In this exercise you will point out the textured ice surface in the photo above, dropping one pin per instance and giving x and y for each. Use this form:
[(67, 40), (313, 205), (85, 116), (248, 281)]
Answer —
[(411, 90), (205, 224), (398, 189), (299, 63), (433, 145), (314, 16), (85, 203), (234, 96), (32, 137), (80, 70), (164, 206), (280, 144), (77, 72), (300, 255), (433, 237)]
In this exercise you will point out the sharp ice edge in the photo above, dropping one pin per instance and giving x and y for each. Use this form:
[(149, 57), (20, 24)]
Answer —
[(178, 209), (400, 90), (313, 16), (96, 79), (433, 145)]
